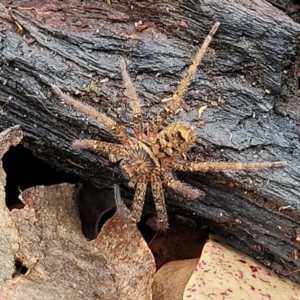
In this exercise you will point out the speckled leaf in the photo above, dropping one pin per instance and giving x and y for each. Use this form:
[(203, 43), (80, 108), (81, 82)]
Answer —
[(129, 258), (223, 273)]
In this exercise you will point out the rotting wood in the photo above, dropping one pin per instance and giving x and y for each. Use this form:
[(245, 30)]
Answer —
[(248, 80)]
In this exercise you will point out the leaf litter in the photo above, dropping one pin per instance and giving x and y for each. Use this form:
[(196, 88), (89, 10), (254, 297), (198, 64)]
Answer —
[(44, 255)]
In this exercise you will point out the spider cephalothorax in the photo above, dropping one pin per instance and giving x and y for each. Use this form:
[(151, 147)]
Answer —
[(153, 154)]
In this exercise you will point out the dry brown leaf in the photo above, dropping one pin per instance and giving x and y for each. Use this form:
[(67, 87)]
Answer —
[(129, 258), (8, 233), (171, 279), (224, 273), (45, 238), (61, 262)]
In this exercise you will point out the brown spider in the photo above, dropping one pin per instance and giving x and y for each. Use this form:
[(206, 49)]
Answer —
[(152, 154)]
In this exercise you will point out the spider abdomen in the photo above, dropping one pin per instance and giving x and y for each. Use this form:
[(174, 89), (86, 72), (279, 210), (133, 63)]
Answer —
[(173, 140), (139, 161)]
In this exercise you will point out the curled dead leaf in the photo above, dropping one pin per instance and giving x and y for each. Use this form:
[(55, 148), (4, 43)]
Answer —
[(129, 258), (171, 279)]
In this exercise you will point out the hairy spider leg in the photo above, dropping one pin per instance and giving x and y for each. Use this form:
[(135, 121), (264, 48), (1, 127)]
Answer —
[(118, 130), (182, 188), (135, 103), (139, 199), (101, 147), (132, 182), (159, 200), (219, 166), (175, 102)]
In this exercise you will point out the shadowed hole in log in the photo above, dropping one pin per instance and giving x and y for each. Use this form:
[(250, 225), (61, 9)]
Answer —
[(20, 268), (24, 170)]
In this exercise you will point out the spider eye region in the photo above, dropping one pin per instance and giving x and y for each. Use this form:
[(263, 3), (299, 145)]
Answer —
[(173, 140), (139, 161)]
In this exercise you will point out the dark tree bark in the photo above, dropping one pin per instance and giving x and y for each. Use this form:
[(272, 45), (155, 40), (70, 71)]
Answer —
[(249, 82)]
